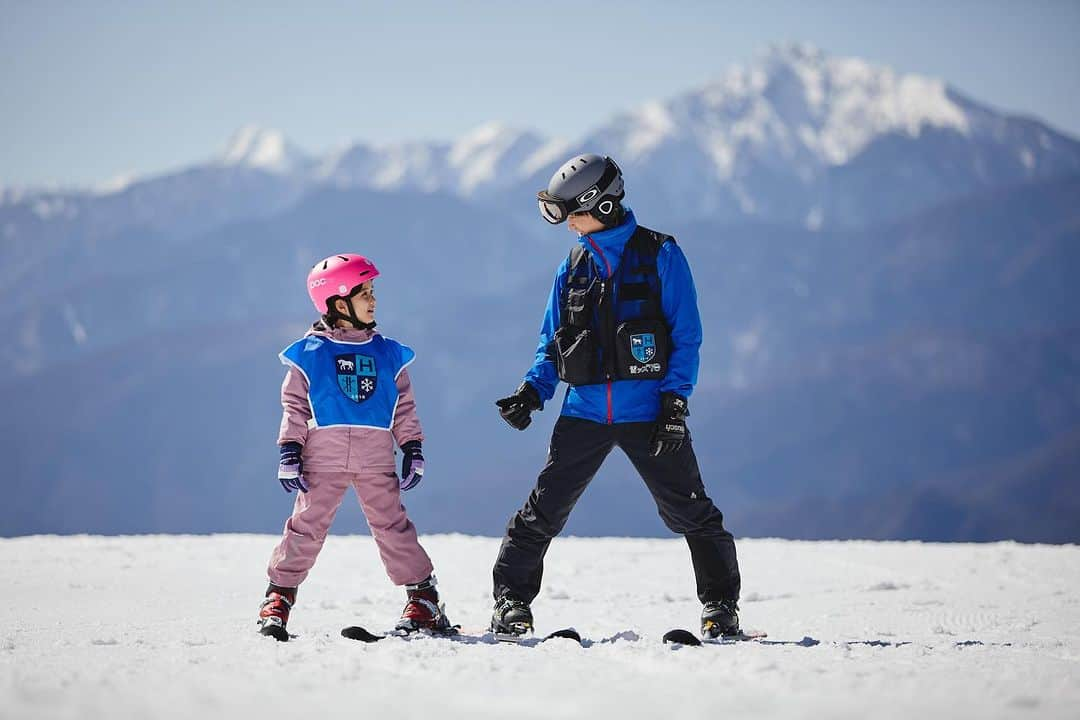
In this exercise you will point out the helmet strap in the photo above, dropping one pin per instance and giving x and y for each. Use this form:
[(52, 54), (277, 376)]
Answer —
[(332, 316)]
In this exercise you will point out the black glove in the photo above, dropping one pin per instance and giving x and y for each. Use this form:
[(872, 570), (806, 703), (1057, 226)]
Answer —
[(517, 408), (670, 431)]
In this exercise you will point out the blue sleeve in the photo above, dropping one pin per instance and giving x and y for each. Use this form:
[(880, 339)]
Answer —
[(679, 301), (543, 375)]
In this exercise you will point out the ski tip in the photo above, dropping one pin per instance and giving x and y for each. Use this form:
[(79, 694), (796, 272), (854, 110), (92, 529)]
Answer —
[(355, 632), (275, 631), (567, 633), (681, 637)]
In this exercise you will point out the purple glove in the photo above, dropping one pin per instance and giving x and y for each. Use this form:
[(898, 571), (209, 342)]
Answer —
[(290, 471), (412, 465)]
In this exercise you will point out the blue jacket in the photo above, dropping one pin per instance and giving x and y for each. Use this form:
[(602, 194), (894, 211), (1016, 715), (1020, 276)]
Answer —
[(626, 400)]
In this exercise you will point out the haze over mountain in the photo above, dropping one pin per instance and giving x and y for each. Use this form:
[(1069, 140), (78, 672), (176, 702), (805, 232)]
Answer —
[(885, 269)]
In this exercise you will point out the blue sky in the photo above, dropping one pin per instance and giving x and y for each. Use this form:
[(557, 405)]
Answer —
[(93, 90)]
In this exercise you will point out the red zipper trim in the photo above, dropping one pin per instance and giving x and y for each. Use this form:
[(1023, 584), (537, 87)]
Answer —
[(610, 411), (600, 253), (610, 419)]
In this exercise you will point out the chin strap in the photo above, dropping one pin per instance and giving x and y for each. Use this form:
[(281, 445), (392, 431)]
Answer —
[(332, 316)]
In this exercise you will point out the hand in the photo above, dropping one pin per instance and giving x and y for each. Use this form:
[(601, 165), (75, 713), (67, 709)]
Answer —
[(412, 465), (670, 431), (290, 472), (517, 408)]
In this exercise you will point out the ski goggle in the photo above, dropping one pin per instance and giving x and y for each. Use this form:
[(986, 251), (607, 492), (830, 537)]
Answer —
[(556, 210)]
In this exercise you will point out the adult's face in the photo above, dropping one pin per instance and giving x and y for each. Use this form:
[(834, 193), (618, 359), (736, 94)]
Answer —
[(583, 223)]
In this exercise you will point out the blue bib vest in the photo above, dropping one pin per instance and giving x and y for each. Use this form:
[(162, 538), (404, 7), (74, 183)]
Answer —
[(350, 384)]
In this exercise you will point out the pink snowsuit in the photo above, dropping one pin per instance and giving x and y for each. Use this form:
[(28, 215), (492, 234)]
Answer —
[(336, 457)]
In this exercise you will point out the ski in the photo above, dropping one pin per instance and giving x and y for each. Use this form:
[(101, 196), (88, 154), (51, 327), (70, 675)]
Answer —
[(679, 636), (357, 632), (529, 640)]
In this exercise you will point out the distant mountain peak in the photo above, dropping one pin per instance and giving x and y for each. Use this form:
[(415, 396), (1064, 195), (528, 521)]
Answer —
[(488, 133), (261, 148), (795, 103), (489, 151), (115, 184)]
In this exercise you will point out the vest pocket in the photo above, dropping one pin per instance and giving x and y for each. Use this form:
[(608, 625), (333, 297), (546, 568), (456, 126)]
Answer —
[(579, 307), (641, 350), (575, 355)]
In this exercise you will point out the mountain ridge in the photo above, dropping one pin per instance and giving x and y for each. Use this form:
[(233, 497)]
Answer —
[(780, 137)]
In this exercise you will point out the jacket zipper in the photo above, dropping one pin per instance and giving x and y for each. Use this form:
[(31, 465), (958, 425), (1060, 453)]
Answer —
[(610, 410)]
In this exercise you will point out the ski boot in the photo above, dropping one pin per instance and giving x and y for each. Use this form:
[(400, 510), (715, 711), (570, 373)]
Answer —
[(274, 611), (423, 611), (511, 616), (720, 618)]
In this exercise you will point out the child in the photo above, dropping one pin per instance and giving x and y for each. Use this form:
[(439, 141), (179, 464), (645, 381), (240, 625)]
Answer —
[(346, 398)]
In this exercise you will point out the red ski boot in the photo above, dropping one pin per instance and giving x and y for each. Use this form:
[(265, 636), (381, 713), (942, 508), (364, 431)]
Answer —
[(423, 611), (274, 611)]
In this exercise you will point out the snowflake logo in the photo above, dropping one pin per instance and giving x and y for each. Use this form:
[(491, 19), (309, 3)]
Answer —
[(366, 385)]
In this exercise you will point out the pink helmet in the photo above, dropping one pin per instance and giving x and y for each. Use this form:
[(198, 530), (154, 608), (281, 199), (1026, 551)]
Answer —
[(338, 276)]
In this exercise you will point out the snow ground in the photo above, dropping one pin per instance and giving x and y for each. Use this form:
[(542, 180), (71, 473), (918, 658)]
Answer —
[(163, 626)]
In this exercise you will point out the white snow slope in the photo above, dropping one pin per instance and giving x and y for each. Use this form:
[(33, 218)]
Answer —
[(163, 626)]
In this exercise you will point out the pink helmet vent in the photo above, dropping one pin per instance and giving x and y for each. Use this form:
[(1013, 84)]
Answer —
[(338, 276)]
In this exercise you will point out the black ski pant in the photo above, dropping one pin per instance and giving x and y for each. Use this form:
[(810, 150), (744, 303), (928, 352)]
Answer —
[(578, 448)]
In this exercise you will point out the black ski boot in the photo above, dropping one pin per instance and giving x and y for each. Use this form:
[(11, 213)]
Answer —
[(720, 618), (274, 612), (511, 616)]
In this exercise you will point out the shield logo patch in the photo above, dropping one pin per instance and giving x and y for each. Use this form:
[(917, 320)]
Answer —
[(643, 347), (356, 376)]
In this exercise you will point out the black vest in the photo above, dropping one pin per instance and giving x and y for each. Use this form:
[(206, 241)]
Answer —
[(613, 328)]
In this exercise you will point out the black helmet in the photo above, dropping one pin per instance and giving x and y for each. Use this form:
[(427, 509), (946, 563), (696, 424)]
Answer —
[(585, 183)]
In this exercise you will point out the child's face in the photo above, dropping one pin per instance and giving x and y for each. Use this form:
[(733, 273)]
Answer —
[(363, 301), (583, 223)]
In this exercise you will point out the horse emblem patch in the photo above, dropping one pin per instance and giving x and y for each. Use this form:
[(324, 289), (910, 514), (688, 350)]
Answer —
[(356, 376), (643, 347)]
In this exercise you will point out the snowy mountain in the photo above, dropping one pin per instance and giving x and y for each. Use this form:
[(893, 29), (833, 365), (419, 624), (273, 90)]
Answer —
[(797, 137), (886, 280), (489, 155), (261, 149), (804, 138), (856, 629)]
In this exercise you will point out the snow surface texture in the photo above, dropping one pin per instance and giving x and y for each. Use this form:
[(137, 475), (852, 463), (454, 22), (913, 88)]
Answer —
[(164, 626)]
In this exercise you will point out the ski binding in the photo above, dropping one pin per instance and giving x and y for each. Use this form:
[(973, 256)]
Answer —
[(679, 636)]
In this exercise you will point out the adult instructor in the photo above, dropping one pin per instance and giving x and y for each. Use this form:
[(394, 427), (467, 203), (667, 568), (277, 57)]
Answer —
[(622, 330)]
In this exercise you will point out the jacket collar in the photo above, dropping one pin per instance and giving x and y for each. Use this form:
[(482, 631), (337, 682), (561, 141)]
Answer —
[(351, 335), (606, 246)]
